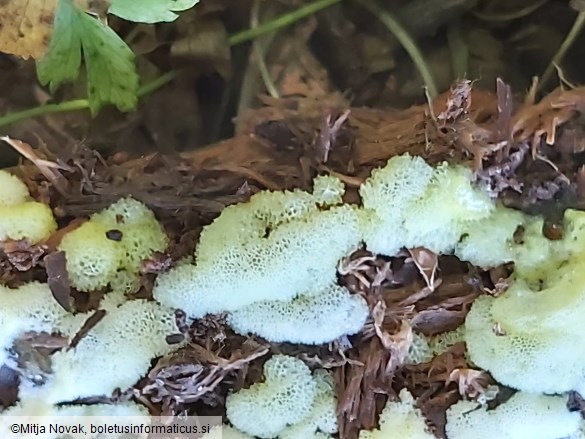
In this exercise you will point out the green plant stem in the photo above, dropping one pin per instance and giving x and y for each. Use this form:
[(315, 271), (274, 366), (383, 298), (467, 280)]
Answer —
[(509, 16), (238, 38), (406, 41), (157, 83), (567, 43), (280, 22), (77, 104)]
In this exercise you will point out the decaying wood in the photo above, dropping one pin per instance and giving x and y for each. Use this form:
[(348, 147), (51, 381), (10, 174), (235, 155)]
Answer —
[(284, 145)]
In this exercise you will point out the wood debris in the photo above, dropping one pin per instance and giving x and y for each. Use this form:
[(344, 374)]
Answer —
[(282, 146)]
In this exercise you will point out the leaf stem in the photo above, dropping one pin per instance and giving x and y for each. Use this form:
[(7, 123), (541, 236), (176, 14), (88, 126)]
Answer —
[(565, 46), (406, 41), (238, 38), (280, 22)]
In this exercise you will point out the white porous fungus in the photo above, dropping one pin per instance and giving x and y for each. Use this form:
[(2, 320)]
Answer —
[(322, 421), (387, 196), (400, 198), (21, 217), (136, 332), (12, 190), (30, 307), (524, 415), (328, 190), (539, 322), (301, 320), (400, 420), (117, 238), (284, 398), (92, 258), (275, 247)]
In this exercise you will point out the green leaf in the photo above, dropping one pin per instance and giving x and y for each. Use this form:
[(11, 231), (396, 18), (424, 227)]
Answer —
[(111, 74), (150, 11)]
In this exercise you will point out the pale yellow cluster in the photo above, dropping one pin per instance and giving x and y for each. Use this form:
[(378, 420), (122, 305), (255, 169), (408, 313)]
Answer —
[(116, 239), (20, 216), (271, 264)]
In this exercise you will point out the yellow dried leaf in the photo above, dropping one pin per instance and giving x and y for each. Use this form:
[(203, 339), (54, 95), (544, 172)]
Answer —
[(27, 26)]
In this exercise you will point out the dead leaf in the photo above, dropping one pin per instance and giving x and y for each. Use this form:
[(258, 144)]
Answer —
[(471, 383), (356, 267), (194, 374), (33, 354), (49, 169), (398, 343), (535, 122), (427, 263), (88, 325), (458, 103), (9, 381), (27, 26), (21, 254), (58, 278), (328, 134), (435, 320)]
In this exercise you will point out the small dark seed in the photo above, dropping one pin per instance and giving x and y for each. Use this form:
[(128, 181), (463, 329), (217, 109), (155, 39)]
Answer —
[(553, 231), (114, 235), (175, 338)]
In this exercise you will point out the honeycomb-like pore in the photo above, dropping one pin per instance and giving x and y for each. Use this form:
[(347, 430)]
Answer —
[(137, 329), (419, 351), (12, 190), (386, 196), (125, 283), (29, 220), (297, 257), (92, 258), (441, 343), (323, 419), (544, 351), (400, 419), (400, 198), (141, 233), (464, 198), (390, 189), (122, 285), (524, 415), (452, 202), (493, 241), (285, 397), (140, 242), (490, 241), (301, 320), (30, 307), (252, 222), (328, 190), (535, 254), (117, 238), (125, 211), (424, 348)]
